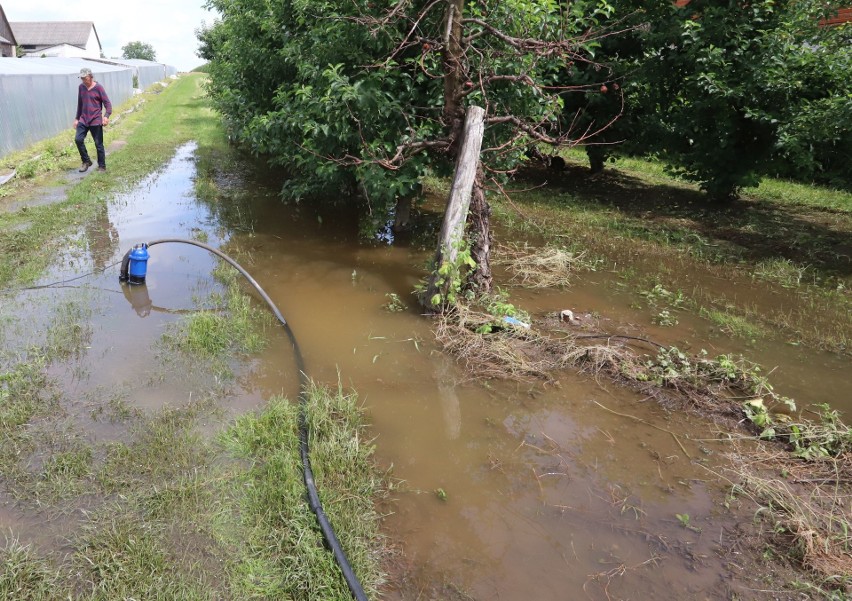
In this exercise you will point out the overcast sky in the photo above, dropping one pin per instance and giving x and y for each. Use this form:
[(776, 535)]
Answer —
[(167, 25)]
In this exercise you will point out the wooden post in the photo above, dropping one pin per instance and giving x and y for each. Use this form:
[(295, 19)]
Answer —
[(458, 203)]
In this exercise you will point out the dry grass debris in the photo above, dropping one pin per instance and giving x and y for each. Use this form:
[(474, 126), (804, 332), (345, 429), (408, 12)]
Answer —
[(505, 352), (807, 505), (548, 267), (491, 348)]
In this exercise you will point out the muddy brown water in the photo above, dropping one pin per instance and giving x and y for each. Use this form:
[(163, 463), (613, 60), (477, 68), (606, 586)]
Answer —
[(510, 491)]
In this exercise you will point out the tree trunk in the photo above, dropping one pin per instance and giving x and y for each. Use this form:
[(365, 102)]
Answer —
[(455, 216), (402, 214), (480, 230), (597, 157), (453, 72)]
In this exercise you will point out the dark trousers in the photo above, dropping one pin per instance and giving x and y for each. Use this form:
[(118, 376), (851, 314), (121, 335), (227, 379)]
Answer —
[(97, 132)]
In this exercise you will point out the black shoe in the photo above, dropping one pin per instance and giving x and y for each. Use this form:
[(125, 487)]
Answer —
[(101, 168), (85, 166)]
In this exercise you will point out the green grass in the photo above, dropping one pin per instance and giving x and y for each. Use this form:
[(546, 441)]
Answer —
[(217, 335), (782, 271), (42, 462), (787, 192), (785, 264), (284, 555), (165, 446), (194, 518), (40, 458), (41, 158), (734, 324), (22, 391), (115, 408), (66, 471), (121, 557), (70, 330), (651, 171), (770, 189), (25, 575)]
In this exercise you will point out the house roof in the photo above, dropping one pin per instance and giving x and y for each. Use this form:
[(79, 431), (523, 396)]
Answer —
[(3, 19), (844, 15), (53, 33)]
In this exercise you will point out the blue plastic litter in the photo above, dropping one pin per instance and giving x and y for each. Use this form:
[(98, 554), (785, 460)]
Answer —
[(516, 322)]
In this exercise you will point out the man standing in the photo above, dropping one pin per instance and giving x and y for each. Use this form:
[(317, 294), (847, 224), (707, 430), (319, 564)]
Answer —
[(92, 99)]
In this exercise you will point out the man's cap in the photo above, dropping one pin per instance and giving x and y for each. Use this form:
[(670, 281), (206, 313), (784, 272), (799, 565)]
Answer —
[(84, 72)]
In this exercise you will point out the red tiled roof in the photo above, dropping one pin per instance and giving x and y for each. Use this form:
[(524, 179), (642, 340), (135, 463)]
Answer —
[(844, 15)]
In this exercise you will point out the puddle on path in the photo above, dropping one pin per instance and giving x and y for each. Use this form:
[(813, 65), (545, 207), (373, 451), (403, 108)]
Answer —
[(548, 493)]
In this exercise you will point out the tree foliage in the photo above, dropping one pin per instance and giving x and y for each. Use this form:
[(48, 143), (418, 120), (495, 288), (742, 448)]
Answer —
[(730, 91), (139, 50), (370, 96)]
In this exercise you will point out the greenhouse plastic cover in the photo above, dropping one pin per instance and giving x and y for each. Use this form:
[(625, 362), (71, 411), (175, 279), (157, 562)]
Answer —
[(38, 96), (148, 72)]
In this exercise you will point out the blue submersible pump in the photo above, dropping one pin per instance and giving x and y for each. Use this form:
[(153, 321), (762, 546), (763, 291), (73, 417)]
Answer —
[(134, 265)]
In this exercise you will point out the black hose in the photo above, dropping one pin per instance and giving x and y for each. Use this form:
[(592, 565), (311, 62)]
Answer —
[(591, 336), (125, 266), (313, 496), (57, 284)]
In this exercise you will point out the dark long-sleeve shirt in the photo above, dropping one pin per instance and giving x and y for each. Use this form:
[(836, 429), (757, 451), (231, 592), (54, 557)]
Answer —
[(90, 103)]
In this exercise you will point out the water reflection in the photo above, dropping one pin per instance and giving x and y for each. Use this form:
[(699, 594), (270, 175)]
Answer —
[(543, 494), (445, 377), (137, 296), (102, 236)]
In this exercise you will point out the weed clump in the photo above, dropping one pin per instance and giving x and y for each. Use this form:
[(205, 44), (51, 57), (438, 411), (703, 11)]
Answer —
[(25, 575), (212, 334)]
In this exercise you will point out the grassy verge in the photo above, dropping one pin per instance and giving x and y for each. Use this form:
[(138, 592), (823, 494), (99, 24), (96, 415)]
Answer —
[(281, 551), (783, 251), (188, 521), (172, 512), (178, 502), (217, 336)]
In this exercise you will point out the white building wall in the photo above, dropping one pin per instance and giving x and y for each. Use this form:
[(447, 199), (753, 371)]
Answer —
[(60, 51), (93, 49)]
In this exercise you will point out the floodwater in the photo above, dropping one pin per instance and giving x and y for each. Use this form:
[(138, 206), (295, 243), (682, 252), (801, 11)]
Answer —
[(577, 489)]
